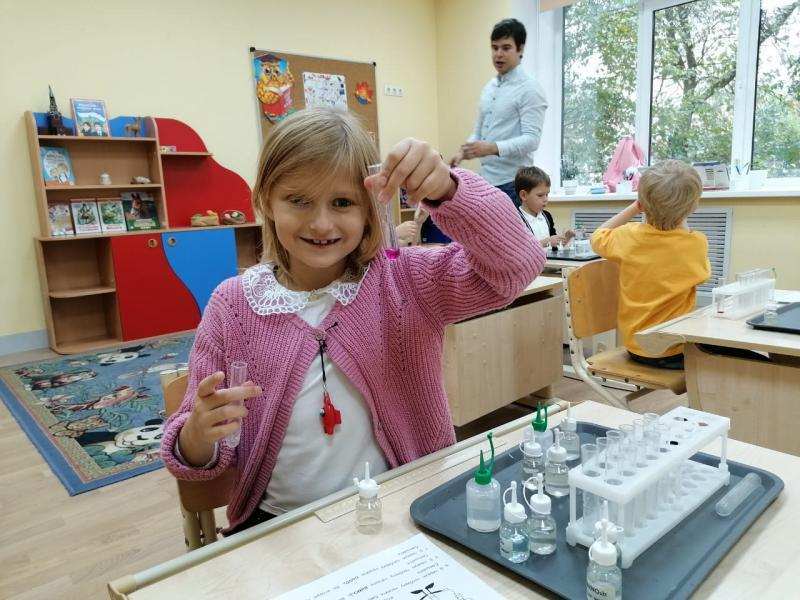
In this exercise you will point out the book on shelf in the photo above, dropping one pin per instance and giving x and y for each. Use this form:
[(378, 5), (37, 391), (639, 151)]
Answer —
[(91, 117), (140, 211), (56, 166), (112, 216), (60, 219), (85, 216)]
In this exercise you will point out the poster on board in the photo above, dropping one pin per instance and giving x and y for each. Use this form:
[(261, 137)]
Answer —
[(324, 89)]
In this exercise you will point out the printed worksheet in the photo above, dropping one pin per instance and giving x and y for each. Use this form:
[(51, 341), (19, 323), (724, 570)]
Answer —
[(325, 89), (413, 570)]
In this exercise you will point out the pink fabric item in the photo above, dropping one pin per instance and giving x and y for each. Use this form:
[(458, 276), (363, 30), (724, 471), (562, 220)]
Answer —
[(627, 154), (388, 341)]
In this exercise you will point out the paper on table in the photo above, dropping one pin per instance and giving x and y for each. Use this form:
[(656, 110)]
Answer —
[(415, 569), (787, 296)]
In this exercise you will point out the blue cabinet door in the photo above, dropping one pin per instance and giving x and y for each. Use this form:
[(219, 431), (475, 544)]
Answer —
[(201, 259)]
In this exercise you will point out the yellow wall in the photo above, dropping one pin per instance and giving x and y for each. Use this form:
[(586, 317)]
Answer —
[(464, 65), (187, 60), (766, 232)]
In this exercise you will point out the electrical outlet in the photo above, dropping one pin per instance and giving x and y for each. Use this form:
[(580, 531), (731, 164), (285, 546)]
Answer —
[(392, 90)]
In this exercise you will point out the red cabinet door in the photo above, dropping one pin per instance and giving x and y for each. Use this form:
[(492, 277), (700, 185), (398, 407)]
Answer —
[(151, 299)]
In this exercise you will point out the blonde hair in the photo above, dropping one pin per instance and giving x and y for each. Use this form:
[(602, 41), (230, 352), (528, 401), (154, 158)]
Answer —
[(323, 144), (669, 192)]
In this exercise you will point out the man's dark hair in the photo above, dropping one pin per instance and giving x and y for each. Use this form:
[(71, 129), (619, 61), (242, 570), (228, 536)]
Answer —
[(529, 177), (510, 28)]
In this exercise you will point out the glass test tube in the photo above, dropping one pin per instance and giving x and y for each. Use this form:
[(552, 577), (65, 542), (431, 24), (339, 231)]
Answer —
[(628, 451), (591, 503), (663, 435), (638, 434), (602, 450), (237, 375), (614, 457), (589, 460), (391, 250)]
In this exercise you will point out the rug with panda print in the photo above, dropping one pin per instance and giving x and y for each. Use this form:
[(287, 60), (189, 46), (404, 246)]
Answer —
[(95, 418)]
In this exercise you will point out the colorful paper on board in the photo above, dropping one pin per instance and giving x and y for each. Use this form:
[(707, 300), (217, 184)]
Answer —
[(324, 89), (364, 94), (274, 82)]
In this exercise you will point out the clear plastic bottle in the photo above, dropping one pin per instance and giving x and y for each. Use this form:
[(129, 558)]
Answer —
[(570, 439), (483, 497), (514, 530), (532, 455), (603, 576), (541, 525), (369, 518), (556, 471), (614, 533)]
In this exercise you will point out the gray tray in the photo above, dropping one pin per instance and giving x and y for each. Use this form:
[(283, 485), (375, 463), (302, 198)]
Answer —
[(787, 321), (671, 568)]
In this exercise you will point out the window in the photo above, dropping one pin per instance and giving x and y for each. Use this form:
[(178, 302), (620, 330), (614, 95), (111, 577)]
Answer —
[(693, 81), (776, 126), (599, 82)]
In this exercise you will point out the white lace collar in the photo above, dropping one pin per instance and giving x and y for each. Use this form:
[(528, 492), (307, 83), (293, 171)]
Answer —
[(266, 296)]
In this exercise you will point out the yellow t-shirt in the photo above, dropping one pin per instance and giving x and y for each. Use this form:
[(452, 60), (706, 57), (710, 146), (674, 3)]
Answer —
[(658, 272)]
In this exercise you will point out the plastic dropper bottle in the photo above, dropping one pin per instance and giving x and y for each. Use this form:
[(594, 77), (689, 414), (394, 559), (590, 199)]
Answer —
[(541, 525), (603, 576), (556, 470), (542, 434), (571, 440), (514, 531), (368, 507), (483, 497), (532, 455), (614, 532)]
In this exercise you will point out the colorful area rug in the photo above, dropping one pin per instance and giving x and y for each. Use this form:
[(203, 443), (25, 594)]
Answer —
[(95, 418)]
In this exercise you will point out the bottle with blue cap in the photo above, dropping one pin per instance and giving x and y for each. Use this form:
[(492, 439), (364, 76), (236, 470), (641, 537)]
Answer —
[(483, 497), (514, 529)]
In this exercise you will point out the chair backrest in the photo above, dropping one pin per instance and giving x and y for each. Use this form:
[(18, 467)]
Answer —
[(195, 496), (593, 291)]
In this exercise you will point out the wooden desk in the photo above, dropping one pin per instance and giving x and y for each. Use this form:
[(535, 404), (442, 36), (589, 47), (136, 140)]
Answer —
[(497, 358), (299, 547), (762, 399)]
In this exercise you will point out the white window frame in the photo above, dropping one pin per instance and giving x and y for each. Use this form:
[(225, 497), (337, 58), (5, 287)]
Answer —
[(551, 27)]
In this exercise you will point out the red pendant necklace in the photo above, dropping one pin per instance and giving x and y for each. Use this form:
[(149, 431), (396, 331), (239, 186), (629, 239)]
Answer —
[(331, 416)]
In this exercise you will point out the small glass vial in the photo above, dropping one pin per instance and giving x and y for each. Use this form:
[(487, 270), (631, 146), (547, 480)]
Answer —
[(570, 439), (514, 530), (483, 497), (556, 470), (771, 312), (368, 508), (541, 525), (603, 576)]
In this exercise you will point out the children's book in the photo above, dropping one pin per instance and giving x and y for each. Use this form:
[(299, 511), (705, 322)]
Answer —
[(140, 211), (85, 216), (56, 166), (60, 219), (112, 217), (91, 117)]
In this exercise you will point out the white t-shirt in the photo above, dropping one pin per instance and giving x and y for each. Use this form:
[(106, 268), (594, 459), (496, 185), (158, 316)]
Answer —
[(538, 224), (312, 464)]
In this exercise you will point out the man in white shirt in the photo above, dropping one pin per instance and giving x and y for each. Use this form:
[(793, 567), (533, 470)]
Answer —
[(510, 115)]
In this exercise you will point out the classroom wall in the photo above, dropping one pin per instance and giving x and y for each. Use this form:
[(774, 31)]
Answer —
[(765, 232), (190, 61)]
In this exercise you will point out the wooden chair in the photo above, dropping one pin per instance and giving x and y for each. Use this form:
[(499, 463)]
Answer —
[(198, 499), (592, 297)]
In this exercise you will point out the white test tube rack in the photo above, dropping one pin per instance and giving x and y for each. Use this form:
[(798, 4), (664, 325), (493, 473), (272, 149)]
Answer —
[(698, 483)]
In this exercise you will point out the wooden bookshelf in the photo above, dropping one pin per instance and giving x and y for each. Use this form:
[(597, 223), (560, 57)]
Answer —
[(87, 280)]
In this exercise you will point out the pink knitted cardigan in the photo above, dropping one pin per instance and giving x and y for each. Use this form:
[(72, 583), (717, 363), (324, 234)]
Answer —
[(388, 341)]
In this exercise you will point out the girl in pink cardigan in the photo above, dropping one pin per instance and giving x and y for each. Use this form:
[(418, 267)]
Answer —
[(343, 345)]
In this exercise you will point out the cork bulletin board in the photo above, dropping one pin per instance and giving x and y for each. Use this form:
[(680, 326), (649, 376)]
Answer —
[(285, 83)]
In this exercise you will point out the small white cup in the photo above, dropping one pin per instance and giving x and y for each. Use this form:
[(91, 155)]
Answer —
[(758, 179)]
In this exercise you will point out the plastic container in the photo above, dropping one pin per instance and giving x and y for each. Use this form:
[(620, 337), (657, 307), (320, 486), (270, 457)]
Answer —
[(738, 494), (541, 524), (369, 518), (237, 375), (514, 529), (483, 497), (749, 294)]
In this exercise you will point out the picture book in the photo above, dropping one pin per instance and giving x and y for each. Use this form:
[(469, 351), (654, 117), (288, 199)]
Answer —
[(56, 166), (85, 216), (60, 219), (140, 211), (91, 117), (112, 217)]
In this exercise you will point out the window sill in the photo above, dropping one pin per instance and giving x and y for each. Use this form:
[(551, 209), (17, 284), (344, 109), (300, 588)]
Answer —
[(707, 195)]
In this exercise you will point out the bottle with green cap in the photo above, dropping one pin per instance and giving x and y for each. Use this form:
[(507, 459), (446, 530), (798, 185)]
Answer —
[(541, 434), (483, 496)]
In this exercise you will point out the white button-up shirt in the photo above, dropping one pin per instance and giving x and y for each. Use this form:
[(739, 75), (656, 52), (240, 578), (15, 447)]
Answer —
[(511, 114)]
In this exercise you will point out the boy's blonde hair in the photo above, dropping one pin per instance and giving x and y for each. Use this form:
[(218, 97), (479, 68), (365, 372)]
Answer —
[(323, 144), (669, 192)]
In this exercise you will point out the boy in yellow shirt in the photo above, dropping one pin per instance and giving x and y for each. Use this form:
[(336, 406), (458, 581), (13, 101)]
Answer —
[(660, 261)]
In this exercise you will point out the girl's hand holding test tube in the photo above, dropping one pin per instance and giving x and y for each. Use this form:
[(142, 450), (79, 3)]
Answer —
[(215, 415), (417, 167)]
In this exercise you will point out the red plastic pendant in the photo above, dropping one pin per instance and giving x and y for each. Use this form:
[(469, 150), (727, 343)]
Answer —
[(331, 416)]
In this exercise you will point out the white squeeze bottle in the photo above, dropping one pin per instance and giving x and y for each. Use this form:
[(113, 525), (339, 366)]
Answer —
[(368, 507), (514, 530), (556, 471), (483, 497), (603, 576), (541, 524), (532, 454), (570, 439)]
